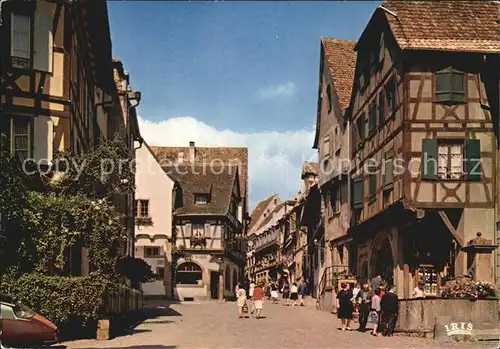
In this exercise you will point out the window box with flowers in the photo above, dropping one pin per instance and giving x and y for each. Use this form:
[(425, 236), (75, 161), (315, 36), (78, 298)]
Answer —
[(145, 221), (465, 287), (198, 241)]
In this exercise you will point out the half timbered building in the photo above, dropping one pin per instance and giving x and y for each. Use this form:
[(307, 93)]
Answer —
[(423, 108), (58, 92)]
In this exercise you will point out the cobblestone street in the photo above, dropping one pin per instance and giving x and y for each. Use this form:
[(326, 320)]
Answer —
[(212, 325)]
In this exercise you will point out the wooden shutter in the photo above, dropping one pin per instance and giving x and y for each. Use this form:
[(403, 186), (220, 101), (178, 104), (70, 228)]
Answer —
[(473, 159), (43, 42), (373, 116), (429, 159), (20, 36), (358, 193), (43, 138), (457, 86), (373, 187), (388, 177), (381, 109), (361, 127), (207, 232)]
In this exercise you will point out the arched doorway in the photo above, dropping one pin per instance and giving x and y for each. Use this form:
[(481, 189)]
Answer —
[(382, 259)]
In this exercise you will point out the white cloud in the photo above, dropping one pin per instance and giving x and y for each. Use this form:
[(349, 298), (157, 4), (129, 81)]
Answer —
[(274, 158), (274, 91)]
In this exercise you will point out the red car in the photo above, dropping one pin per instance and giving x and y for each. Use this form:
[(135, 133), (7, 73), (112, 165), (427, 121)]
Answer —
[(20, 326)]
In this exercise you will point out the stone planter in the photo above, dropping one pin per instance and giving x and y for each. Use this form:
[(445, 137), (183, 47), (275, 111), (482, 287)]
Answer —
[(423, 315), (103, 330)]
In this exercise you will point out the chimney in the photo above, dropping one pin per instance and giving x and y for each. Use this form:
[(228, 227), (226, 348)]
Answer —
[(191, 151)]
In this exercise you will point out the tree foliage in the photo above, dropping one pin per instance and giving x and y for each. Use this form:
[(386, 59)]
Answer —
[(137, 270)]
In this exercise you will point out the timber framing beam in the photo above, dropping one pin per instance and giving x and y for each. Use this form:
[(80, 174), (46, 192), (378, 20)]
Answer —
[(451, 228)]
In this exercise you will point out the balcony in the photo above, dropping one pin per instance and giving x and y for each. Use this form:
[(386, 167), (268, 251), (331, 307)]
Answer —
[(198, 241)]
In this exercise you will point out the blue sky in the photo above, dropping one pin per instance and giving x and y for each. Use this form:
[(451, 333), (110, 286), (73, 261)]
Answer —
[(233, 73)]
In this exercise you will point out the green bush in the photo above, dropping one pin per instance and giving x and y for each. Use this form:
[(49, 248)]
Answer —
[(137, 270), (63, 300)]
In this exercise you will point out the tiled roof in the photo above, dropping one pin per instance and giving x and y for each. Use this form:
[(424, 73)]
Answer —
[(193, 180), (341, 59), (219, 156), (270, 215), (259, 210), (467, 26)]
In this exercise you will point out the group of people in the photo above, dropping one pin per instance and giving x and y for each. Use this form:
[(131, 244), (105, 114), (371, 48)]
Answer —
[(377, 299), (253, 301)]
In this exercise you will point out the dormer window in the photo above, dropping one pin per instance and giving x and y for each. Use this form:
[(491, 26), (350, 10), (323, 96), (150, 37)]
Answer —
[(450, 86), (201, 199)]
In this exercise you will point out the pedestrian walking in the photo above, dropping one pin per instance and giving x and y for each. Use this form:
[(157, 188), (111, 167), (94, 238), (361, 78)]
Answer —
[(294, 294), (286, 291), (355, 292), (344, 306), (241, 301), (274, 293), (258, 299), (389, 311), (376, 281), (364, 300), (375, 311), (302, 291), (251, 290)]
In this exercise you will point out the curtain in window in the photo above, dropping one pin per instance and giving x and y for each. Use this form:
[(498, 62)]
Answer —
[(198, 230), (442, 161), (456, 162)]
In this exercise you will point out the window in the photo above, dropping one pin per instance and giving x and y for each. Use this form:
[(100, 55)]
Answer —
[(43, 42), (20, 41), (358, 196), (361, 127), (150, 252), (160, 272), (334, 200), (198, 230), (373, 117), (454, 159), (391, 95), (450, 86), (381, 109), (189, 274), (326, 147), (20, 139), (201, 199), (141, 208), (329, 95)]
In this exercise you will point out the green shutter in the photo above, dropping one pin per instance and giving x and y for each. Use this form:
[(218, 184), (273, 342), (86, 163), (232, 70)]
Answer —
[(388, 173), (357, 198), (473, 159), (361, 127), (429, 159), (373, 116), (381, 109), (457, 87), (373, 187)]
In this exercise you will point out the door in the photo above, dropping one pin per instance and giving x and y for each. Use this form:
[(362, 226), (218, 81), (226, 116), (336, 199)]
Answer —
[(214, 284)]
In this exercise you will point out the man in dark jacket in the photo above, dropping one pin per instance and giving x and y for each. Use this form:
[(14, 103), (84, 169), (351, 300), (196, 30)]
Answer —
[(364, 299), (390, 308)]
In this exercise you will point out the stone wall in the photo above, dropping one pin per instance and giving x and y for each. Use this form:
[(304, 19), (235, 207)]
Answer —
[(419, 315)]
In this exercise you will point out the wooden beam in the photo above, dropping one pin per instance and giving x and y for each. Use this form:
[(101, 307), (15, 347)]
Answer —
[(451, 228)]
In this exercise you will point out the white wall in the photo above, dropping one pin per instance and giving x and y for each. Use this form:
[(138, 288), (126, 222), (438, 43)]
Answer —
[(153, 184)]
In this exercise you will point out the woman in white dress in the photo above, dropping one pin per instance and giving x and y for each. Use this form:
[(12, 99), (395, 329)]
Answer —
[(241, 300)]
